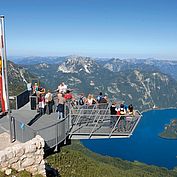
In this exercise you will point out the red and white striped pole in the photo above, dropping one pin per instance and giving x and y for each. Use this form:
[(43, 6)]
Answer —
[(4, 90)]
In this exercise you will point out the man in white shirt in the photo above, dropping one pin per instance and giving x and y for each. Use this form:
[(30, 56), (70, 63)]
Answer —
[(62, 88)]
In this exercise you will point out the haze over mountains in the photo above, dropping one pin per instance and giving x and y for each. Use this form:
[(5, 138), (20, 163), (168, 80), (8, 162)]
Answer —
[(144, 83)]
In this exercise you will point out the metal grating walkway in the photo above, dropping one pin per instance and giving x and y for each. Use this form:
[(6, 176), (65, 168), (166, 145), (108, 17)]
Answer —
[(96, 122)]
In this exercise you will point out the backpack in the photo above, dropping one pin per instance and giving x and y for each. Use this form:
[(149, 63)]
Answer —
[(99, 98), (81, 101)]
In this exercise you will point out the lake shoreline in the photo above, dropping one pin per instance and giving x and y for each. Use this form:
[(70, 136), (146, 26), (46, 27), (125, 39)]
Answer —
[(166, 138), (158, 109), (147, 130)]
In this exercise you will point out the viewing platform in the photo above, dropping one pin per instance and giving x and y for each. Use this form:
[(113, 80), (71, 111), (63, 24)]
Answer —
[(96, 122), (79, 122)]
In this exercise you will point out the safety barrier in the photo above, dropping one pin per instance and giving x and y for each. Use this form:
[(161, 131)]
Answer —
[(53, 134), (80, 122), (96, 120), (16, 102), (21, 131), (22, 99), (56, 133)]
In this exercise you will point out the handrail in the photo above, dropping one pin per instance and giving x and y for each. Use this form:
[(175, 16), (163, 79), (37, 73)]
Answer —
[(91, 114), (53, 124), (114, 126), (98, 121)]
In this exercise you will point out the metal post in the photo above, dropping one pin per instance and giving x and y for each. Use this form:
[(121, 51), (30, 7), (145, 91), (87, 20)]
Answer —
[(70, 117), (56, 138), (16, 105), (6, 77)]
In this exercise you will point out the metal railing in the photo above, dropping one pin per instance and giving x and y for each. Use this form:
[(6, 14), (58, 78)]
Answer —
[(56, 133), (98, 121), (85, 121), (52, 134), (21, 131)]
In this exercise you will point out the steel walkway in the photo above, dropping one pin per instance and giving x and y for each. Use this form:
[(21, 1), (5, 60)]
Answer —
[(96, 122)]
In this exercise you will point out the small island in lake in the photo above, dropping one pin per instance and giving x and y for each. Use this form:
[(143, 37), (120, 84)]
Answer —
[(170, 130)]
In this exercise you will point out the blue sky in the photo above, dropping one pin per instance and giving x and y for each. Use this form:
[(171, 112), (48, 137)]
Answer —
[(96, 28)]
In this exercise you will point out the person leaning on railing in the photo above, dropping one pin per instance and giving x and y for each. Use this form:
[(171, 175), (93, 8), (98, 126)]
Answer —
[(131, 110), (113, 111), (122, 121)]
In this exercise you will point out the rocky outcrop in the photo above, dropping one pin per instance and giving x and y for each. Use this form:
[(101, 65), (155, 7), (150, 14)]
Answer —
[(28, 156)]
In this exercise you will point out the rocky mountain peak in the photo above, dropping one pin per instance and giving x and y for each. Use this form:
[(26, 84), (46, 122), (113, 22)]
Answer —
[(76, 64)]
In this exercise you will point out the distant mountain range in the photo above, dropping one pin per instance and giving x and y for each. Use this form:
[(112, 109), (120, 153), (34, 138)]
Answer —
[(144, 83), (164, 66), (37, 60), (114, 64)]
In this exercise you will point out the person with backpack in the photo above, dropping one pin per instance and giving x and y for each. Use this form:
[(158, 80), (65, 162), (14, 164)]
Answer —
[(99, 97), (113, 111), (81, 100), (122, 120)]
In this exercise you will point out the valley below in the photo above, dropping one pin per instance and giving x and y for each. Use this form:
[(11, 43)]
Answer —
[(140, 83)]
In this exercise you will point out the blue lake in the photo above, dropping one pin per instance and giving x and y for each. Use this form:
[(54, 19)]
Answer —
[(144, 145)]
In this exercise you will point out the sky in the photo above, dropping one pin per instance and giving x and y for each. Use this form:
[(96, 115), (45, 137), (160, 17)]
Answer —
[(96, 28)]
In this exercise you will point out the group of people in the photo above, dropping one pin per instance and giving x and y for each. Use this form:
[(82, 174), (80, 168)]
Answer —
[(45, 100), (121, 112), (90, 100), (63, 95)]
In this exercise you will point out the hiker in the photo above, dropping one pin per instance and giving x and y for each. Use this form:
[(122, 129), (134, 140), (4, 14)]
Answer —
[(81, 100), (99, 97), (68, 96), (35, 88), (90, 100), (113, 111), (131, 110), (48, 100), (121, 114), (41, 104), (62, 88), (60, 106)]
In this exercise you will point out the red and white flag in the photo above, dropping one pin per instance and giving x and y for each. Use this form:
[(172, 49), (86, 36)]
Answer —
[(3, 94)]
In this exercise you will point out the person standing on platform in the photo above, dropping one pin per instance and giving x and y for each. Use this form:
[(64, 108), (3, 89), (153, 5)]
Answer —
[(60, 107), (41, 102), (62, 88), (113, 111), (48, 101), (35, 88)]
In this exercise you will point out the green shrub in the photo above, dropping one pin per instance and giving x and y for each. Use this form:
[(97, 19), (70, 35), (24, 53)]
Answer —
[(38, 175), (2, 174), (24, 173)]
